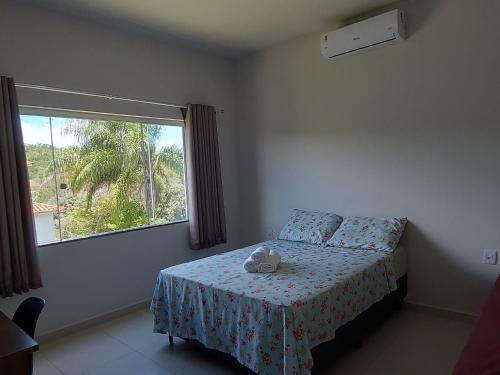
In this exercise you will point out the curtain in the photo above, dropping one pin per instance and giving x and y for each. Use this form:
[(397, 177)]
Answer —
[(207, 222), (19, 269)]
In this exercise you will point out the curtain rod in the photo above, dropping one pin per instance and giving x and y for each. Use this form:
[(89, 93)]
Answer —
[(95, 95)]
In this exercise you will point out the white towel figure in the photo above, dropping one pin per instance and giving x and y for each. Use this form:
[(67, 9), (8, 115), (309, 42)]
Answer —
[(260, 254), (250, 266), (271, 264)]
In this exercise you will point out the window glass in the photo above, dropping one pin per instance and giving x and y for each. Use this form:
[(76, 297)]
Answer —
[(106, 175), (40, 163), (167, 163)]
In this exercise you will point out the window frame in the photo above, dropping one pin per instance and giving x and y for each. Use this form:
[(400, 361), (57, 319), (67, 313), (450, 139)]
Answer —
[(120, 231), (67, 113)]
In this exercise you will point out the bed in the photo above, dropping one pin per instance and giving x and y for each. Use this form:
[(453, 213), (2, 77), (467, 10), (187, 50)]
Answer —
[(270, 322)]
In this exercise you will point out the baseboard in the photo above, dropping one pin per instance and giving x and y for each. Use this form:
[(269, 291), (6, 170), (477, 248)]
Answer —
[(441, 312), (87, 323), (103, 318)]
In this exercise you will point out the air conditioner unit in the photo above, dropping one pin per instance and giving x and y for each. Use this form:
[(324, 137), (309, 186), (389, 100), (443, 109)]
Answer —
[(358, 37)]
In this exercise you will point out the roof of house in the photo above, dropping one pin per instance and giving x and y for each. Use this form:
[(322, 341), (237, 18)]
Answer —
[(39, 208)]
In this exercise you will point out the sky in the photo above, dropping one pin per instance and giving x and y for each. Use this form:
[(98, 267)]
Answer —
[(36, 130)]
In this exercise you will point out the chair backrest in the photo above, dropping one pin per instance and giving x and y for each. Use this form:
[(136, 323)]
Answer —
[(27, 314)]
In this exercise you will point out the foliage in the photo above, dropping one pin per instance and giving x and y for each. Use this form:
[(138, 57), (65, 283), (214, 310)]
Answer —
[(116, 178), (83, 220), (172, 207), (41, 175)]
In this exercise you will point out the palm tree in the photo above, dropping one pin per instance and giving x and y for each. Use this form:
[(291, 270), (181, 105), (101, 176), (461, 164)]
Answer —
[(122, 162)]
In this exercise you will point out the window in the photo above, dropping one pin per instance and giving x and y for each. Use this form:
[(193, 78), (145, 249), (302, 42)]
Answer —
[(91, 176)]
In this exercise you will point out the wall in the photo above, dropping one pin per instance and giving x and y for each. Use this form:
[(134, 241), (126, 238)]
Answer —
[(405, 130), (44, 227), (86, 278)]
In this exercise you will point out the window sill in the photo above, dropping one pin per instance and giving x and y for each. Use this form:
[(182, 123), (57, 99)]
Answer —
[(98, 235)]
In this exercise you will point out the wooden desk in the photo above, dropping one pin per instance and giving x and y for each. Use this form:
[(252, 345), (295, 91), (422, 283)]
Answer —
[(16, 348)]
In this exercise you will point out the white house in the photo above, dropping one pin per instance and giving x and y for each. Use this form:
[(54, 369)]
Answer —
[(44, 222)]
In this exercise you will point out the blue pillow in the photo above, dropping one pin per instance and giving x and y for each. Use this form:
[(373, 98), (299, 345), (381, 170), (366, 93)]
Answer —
[(310, 226), (369, 233)]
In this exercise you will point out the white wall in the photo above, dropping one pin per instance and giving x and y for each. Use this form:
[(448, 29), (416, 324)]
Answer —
[(94, 276), (44, 227), (406, 130)]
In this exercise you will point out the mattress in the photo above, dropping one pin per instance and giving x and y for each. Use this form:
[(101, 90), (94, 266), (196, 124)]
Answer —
[(398, 260), (270, 322)]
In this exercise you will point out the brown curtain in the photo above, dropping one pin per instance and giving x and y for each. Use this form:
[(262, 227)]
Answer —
[(207, 222), (19, 269)]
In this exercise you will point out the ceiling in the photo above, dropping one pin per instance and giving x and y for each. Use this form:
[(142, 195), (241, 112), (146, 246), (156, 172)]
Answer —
[(230, 27)]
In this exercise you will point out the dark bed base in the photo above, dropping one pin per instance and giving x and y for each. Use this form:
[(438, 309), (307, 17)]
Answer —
[(350, 334), (353, 331)]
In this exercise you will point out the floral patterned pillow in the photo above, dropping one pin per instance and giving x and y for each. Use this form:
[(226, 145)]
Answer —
[(310, 226), (369, 233)]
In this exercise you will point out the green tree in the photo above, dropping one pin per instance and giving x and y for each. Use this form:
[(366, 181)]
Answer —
[(40, 170), (118, 177)]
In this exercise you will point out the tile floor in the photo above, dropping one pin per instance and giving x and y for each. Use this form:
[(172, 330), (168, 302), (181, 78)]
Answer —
[(408, 342)]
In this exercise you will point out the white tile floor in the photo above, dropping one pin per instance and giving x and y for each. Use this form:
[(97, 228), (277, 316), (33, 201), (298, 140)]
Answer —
[(407, 343)]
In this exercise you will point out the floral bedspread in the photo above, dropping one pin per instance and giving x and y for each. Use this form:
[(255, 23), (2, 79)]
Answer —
[(270, 322)]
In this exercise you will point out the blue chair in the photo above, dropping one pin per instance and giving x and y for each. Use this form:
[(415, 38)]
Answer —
[(26, 317)]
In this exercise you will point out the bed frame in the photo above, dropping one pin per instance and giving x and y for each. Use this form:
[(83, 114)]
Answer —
[(351, 333)]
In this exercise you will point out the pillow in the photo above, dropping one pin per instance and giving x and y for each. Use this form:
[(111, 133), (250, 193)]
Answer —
[(369, 233), (310, 226)]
